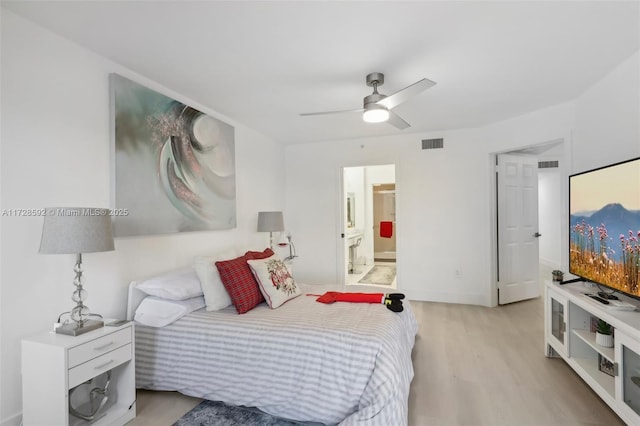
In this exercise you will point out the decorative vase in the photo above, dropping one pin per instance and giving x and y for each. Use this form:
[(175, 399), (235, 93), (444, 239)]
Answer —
[(604, 340)]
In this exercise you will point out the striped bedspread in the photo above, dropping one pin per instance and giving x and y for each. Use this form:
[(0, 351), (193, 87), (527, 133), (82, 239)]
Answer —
[(344, 363)]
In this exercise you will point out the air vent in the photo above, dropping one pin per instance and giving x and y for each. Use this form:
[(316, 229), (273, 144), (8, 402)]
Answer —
[(548, 164), (432, 143)]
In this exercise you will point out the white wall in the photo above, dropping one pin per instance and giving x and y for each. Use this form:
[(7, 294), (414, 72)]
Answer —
[(55, 152), (607, 126), (443, 202), (313, 199), (445, 196)]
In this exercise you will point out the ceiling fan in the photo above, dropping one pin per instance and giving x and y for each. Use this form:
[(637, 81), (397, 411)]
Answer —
[(377, 108)]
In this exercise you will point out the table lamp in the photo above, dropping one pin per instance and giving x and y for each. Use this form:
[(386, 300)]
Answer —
[(270, 222), (77, 230), (292, 249)]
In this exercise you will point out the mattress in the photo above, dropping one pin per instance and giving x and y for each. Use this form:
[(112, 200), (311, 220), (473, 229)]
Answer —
[(343, 363)]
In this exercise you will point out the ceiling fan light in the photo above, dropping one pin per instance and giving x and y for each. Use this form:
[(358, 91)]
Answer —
[(375, 115)]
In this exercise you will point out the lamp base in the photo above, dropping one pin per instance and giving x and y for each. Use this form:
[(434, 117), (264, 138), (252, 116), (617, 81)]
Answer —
[(72, 328)]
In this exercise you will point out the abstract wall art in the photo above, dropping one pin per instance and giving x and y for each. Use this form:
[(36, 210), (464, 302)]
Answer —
[(174, 165)]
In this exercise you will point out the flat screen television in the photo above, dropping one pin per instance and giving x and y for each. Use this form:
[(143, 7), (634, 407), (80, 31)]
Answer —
[(604, 226)]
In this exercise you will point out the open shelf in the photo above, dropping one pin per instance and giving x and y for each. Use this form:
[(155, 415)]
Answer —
[(589, 338), (606, 382)]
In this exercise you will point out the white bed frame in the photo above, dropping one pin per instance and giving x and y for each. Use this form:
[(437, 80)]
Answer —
[(135, 297)]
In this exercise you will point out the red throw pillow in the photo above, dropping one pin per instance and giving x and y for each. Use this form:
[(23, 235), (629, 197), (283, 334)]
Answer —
[(240, 283), (256, 255)]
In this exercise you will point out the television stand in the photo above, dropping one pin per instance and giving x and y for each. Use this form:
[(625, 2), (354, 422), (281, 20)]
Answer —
[(610, 305), (569, 320)]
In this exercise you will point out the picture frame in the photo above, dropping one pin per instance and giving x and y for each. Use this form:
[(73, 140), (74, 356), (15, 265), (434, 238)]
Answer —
[(606, 366), (173, 165)]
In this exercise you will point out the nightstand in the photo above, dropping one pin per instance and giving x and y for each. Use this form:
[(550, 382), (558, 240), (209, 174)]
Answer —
[(52, 364)]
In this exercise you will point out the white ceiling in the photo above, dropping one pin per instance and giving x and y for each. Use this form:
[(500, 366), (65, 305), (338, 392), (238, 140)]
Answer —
[(262, 63)]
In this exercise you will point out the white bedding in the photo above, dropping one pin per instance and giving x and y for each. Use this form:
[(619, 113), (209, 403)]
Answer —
[(342, 363)]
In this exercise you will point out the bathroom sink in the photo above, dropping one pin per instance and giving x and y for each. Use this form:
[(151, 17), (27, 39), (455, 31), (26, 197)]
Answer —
[(354, 236)]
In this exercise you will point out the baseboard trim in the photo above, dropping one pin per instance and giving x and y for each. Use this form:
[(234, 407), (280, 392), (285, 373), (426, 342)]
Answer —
[(464, 299)]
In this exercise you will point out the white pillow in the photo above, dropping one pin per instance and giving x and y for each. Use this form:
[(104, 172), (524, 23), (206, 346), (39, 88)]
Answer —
[(156, 312), (180, 284), (275, 282), (215, 295)]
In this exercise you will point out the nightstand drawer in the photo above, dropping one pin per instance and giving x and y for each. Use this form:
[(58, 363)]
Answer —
[(97, 347), (99, 365)]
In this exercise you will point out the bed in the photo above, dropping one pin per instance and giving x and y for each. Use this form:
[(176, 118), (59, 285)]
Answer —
[(341, 363)]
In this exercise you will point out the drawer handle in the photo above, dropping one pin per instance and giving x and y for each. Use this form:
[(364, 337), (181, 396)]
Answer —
[(103, 347), (100, 367)]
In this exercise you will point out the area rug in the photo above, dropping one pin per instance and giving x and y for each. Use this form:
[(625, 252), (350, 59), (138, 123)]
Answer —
[(380, 274), (214, 413)]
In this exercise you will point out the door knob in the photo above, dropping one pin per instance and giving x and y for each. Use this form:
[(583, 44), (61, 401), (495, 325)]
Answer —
[(537, 235)]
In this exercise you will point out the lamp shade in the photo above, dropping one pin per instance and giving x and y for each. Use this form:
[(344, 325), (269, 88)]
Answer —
[(270, 222), (68, 230)]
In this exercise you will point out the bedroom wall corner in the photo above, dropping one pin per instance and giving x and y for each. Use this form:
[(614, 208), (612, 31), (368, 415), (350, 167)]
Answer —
[(607, 126), (56, 151)]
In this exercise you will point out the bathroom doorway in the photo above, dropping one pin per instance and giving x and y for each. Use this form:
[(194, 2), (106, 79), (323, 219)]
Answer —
[(384, 221), (370, 226)]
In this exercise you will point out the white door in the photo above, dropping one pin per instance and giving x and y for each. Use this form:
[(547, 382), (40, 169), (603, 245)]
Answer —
[(518, 256)]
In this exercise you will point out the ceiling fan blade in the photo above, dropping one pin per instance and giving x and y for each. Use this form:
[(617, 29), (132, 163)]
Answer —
[(405, 94), (396, 121), (306, 114)]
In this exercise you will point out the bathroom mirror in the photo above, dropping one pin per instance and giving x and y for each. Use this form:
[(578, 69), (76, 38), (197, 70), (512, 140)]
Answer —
[(351, 210)]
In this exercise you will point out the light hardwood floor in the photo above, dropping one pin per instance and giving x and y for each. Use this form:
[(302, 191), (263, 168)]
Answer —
[(473, 366), (486, 366)]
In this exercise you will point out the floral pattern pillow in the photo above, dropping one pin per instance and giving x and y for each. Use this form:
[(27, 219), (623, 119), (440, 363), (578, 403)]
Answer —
[(274, 280)]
